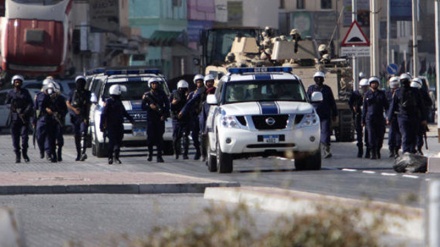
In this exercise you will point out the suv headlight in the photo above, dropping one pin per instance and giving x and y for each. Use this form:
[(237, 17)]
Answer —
[(229, 122), (309, 119)]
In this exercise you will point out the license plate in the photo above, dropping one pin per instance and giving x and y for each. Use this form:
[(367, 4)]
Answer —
[(271, 138), (139, 131)]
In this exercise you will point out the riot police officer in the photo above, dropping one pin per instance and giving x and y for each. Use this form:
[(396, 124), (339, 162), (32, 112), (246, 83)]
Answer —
[(407, 104), (374, 106), (427, 103), (21, 109), (355, 102), (59, 109), (326, 109), (394, 137), (79, 108), (112, 122), (157, 105), (181, 122), (194, 111), (44, 121), (197, 103)]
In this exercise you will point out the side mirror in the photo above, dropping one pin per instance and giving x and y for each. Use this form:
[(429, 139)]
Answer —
[(316, 97), (93, 98), (211, 99)]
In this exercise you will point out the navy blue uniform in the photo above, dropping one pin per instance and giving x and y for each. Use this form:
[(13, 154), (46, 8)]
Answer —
[(80, 99), (45, 126), (156, 119), (20, 114), (199, 109), (326, 110), (394, 137), (112, 123), (406, 107), (181, 123), (427, 102), (374, 107), (355, 102), (59, 108)]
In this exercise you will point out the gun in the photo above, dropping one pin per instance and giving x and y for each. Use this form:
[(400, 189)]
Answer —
[(159, 109), (425, 137), (56, 117)]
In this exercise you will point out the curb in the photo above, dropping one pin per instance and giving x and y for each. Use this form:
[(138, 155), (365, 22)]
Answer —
[(400, 220), (103, 182)]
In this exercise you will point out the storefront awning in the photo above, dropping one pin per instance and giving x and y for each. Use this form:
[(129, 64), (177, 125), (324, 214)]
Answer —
[(163, 38)]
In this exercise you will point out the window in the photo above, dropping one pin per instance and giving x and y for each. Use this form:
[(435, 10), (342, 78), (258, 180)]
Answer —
[(326, 4), (300, 4), (177, 3)]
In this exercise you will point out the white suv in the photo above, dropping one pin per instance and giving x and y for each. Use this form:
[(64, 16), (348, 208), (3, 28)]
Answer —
[(136, 81), (262, 111)]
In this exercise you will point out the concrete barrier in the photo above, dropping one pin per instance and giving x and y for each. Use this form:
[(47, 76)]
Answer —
[(9, 236)]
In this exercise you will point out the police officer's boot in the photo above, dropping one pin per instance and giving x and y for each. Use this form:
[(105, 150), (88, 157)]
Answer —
[(185, 147), (17, 157), (367, 153), (110, 157), (150, 153), (360, 152), (419, 151), (84, 146), (78, 148), (25, 156), (117, 161), (392, 152), (396, 153), (59, 152), (177, 149), (373, 154), (327, 153), (198, 153)]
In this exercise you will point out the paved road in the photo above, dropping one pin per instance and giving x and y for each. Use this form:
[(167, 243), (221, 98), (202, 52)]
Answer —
[(342, 175)]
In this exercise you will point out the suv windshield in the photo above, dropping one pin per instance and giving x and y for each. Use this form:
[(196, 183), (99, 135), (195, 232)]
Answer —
[(262, 90), (135, 89)]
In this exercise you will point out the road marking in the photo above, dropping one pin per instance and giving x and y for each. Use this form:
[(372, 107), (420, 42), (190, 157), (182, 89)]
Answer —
[(388, 174), (369, 172), (410, 176), (349, 170)]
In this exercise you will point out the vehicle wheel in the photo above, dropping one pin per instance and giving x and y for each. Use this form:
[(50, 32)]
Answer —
[(168, 148), (345, 131), (211, 159), (224, 160), (308, 162), (100, 150)]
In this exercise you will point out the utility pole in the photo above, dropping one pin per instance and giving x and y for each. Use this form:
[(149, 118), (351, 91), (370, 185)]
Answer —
[(374, 37), (415, 34), (355, 63), (437, 61), (388, 32)]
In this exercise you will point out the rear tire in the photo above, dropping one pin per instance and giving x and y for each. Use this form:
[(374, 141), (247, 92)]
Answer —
[(308, 162), (224, 160), (99, 150)]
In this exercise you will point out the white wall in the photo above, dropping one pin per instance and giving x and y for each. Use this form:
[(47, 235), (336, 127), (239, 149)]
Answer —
[(261, 13), (256, 13)]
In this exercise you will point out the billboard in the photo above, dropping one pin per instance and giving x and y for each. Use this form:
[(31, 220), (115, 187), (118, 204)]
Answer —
[(402, 10), (104, 15)]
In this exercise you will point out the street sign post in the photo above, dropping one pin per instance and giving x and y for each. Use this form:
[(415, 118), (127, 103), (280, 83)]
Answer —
[(357, 51), (392, 69)]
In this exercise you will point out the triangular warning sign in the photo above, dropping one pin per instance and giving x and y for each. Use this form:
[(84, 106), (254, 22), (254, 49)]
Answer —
[(355, 36)]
